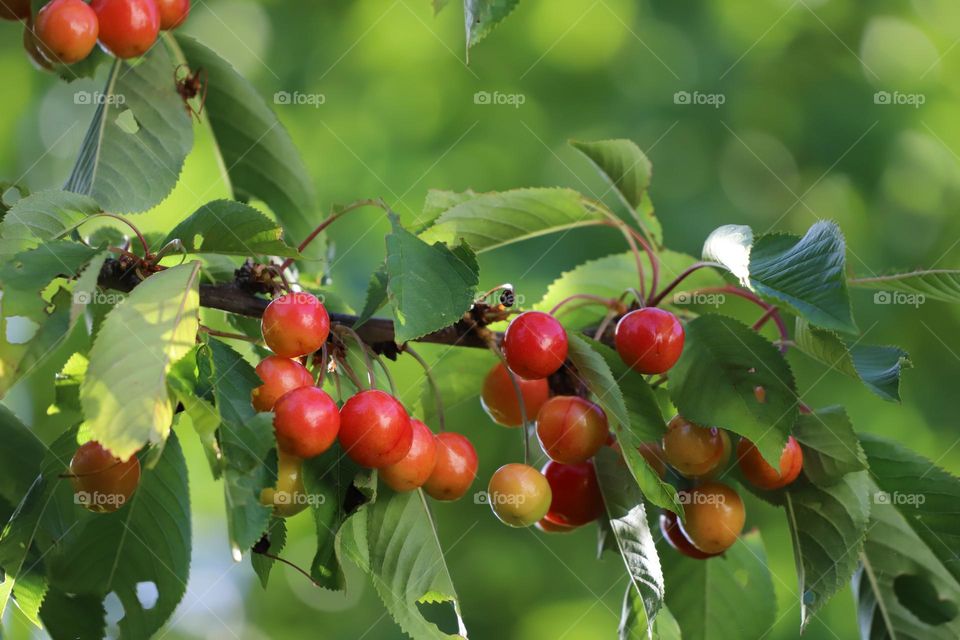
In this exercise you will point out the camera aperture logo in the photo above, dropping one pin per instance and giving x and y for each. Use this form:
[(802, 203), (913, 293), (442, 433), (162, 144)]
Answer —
[(497, 98), (299, 99)]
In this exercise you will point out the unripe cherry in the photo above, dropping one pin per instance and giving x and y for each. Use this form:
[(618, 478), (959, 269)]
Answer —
[(535, 345), (67, 30), (287, 497), (128, 28), (571, 429), (279, 375), (576, 493), (415, 468), (763, 475), (519, 495), (455, 470), (499, 399), (102, 482), (306, 422), (692, 450), (674, 535), (375, 429), (649, 340), (714, 517), (295, 324)]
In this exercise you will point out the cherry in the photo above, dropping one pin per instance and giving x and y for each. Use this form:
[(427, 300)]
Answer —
[(306, 421), (519, 495), (288, 496), (552, 527), (714, 517), (455, 470), (67, 30), (102, 482), (375, 429), (652, 452), (15, 9), (415, 468), (576, 493), (34, 49), (761, 474), (571, 429), (649, 340), (535, 345), (128, 28), (674, 535), (279, 376), (692, 450), (499, 399), (172, 13), (295, 324)]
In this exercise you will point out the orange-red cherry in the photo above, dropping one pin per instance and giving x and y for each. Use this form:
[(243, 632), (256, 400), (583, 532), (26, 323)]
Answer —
[(101, 482), (34, 48), (674, 535), (128, 28), (306, 421), (519, 495), (692, 450), (279, 375), (571, 429), (67, 30), (375, 429), (576, 493), (552, 527), (649, 340), (455, 470), (535, 345), (15, 9), (415, 468), (714, 517), (761, 474), (172, 13), (295, 324), (499, 399)]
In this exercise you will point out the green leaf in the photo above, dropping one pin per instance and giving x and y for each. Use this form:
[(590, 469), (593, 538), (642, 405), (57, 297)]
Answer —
[(828, 526), (198, 410), (376, 296), (481, 16), (646, 420), (830, 446), (276, 539), (23, 545), (594, 371), (71, 616), (714, 383), (146, 541), (140, 135), (710, 593), (438, 201), (903, 589), (231, 228), (877, 367), (247, 442), (633, 624), (406, 563), (924, 494), (491, 220), (28, 273), (41, 217), (124, 394), (260, 158), (936, 284), (20, 457), (429, 286), (628, 170), (628, 521)]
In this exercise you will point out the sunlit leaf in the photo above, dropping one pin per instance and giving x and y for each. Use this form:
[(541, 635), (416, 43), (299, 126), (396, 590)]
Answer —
[(231, 228)]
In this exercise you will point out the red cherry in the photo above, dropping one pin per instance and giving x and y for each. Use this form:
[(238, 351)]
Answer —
[(14, 9), (761, 474), (295, 325), (375, 429), (172, 13), (535, 345), (34, 48), (552, 527), (499, 399), (128, 28), (649, 340), (306, 421), (571, 429), (279, 376), (415, 468), (455, 470), (576, 493), (673, 534), (67, 29), (102, 482)]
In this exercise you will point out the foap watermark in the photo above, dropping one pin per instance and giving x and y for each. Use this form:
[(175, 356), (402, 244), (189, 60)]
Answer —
[(299, 99), (98, 500), (699, 497), (682, 298), (98, 297), (497, 98), (714, 100), (98, 98), (485, 497), (899, 98), (896, 498), (284, 498), (899, 298)]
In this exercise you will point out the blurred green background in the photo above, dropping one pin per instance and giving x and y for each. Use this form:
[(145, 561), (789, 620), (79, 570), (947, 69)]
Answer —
[(801, 134)]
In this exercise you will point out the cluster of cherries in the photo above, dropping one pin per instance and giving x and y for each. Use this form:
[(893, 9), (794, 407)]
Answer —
[(565, 494), (373, 427), (65, 31)]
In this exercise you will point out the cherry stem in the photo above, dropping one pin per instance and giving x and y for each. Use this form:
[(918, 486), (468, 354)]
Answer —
[(657, 299), (428, 371), (606, 323), (227, 334), (267, 554), (324, 356), (755, 299), (489, 292), (387, 374), (633, 237), (104, 214), (607, 302), (330, 220), (516, 389), (342, 328), (351, 374), (659, 381), (762, 320)]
